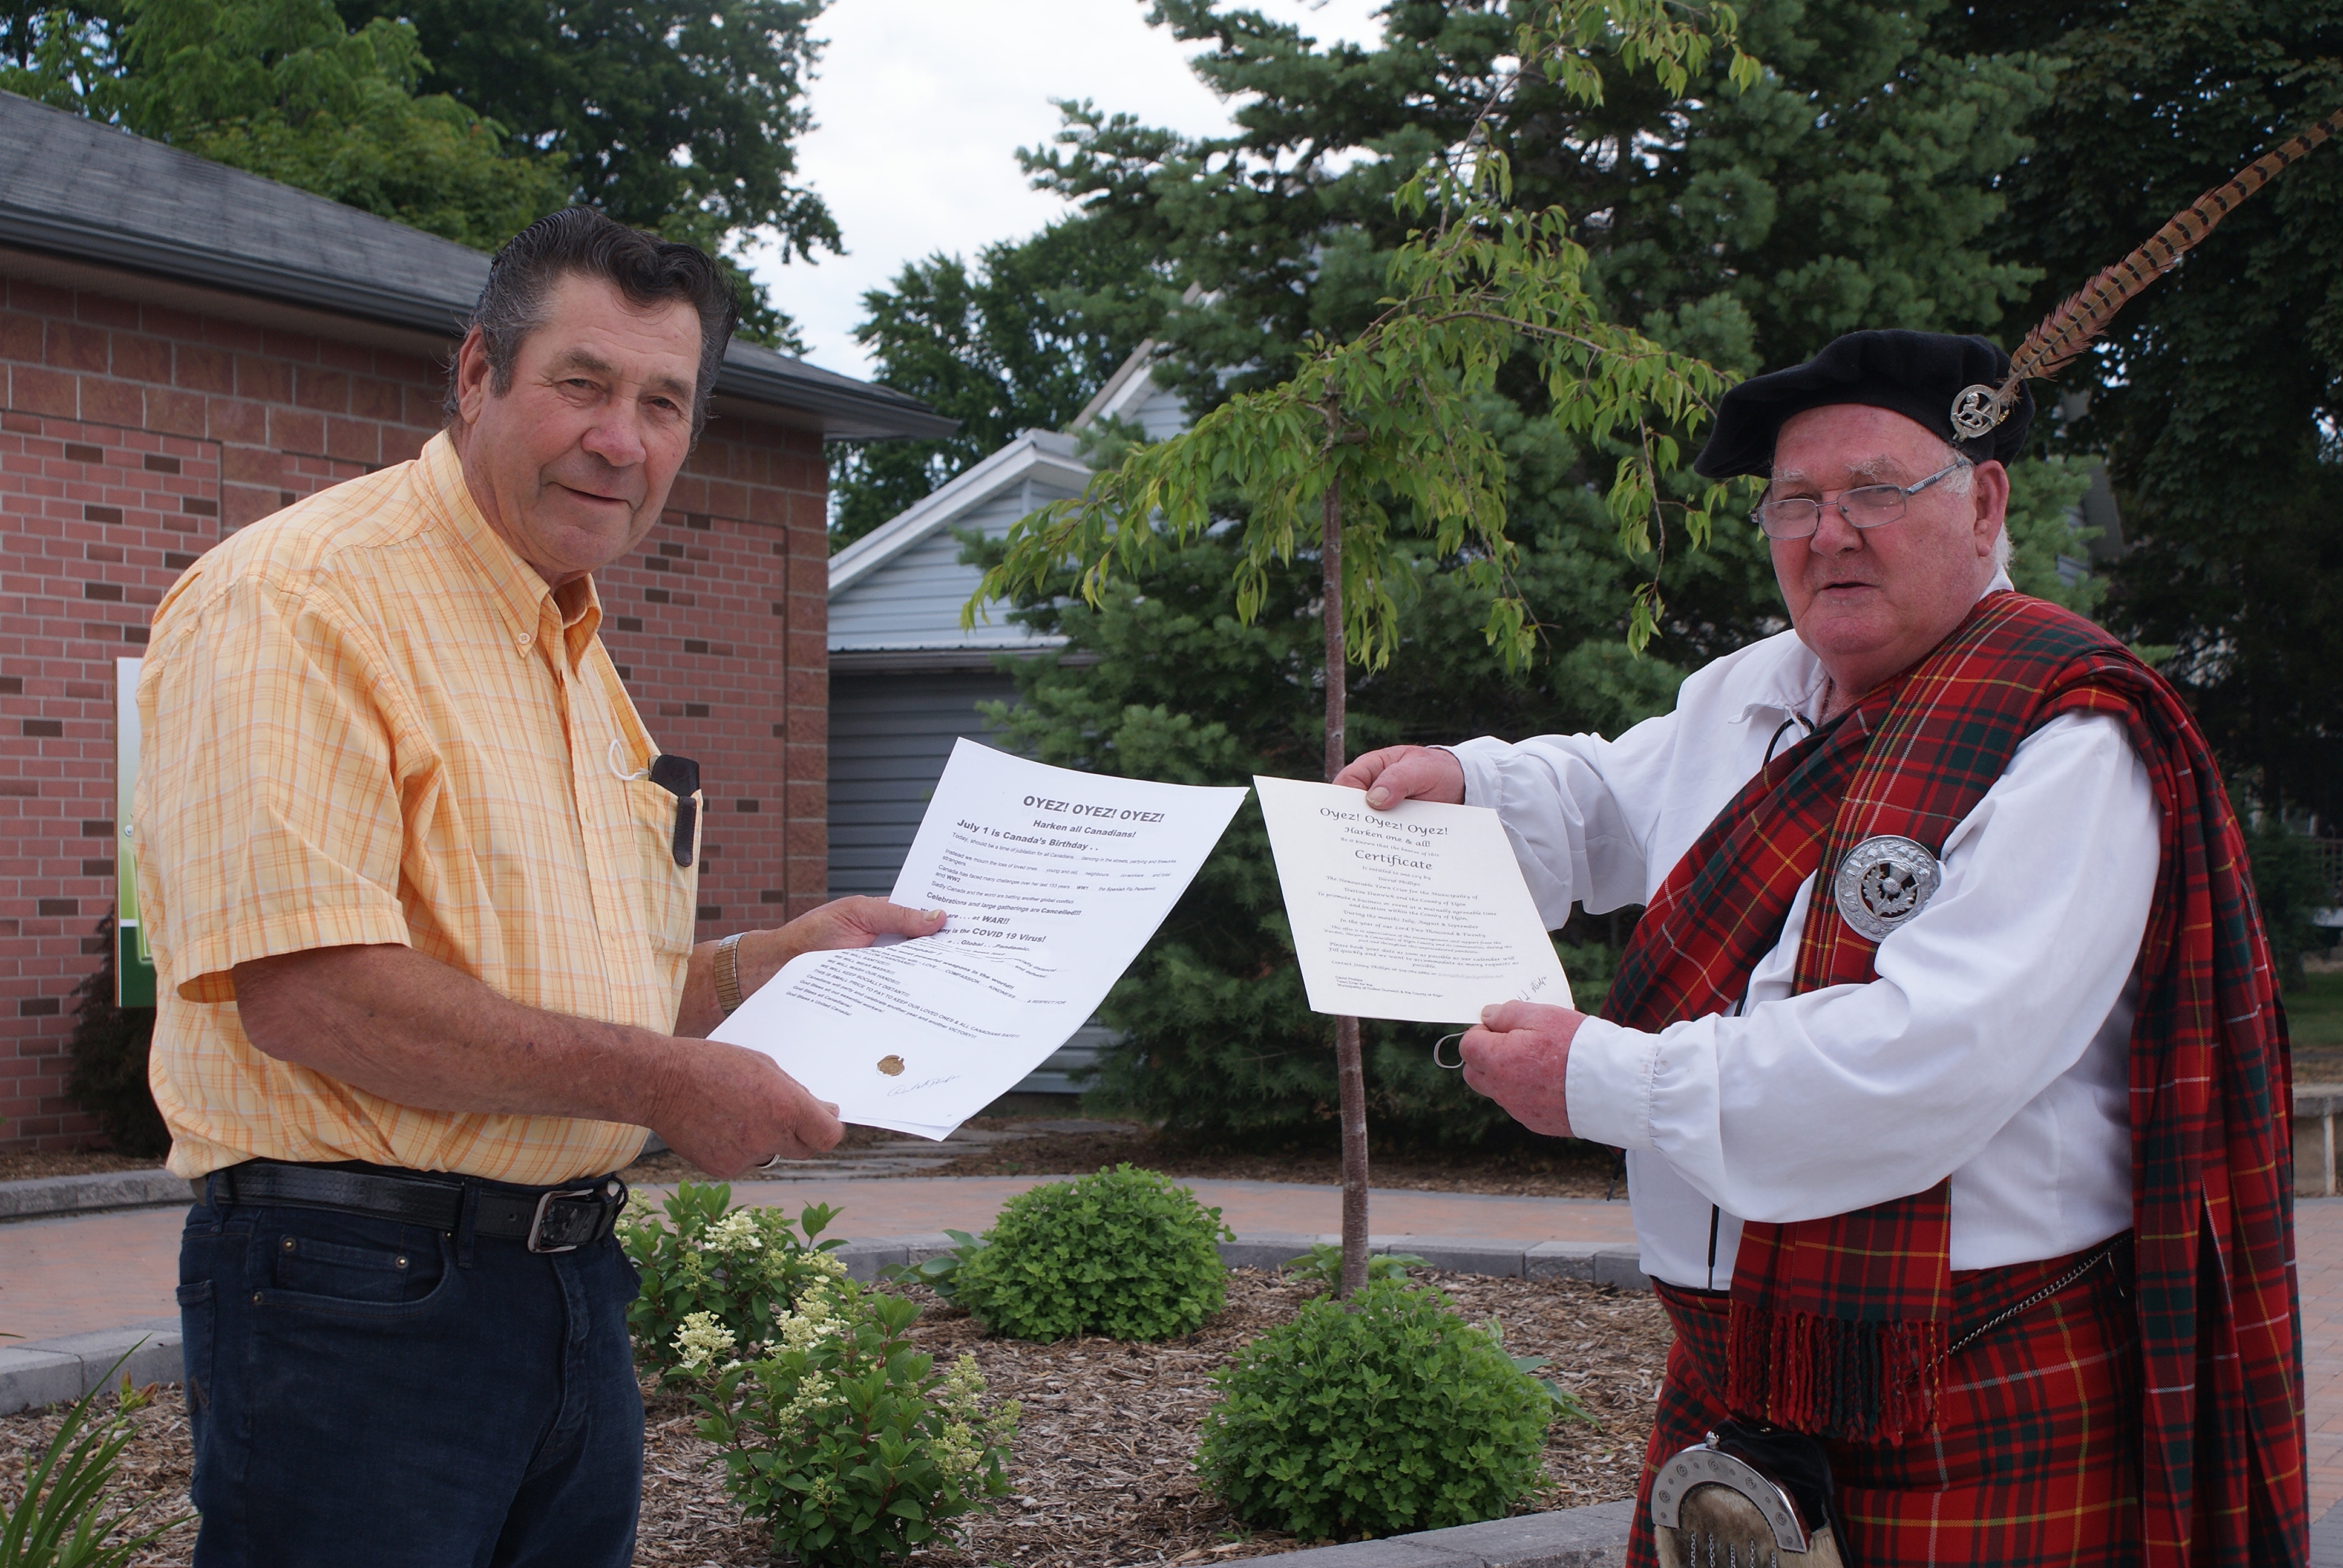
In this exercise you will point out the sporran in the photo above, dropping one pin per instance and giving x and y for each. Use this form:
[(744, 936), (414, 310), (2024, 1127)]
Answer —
[(1752, 1496)]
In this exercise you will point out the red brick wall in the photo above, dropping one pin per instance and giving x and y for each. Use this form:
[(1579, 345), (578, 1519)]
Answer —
[(720, 628), (133, 436)]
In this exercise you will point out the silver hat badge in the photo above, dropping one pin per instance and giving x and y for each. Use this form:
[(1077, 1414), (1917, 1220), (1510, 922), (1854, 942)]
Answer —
[(1883, 882)]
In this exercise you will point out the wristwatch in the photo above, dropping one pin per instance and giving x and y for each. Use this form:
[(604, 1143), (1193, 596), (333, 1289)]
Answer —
[(728, 973)]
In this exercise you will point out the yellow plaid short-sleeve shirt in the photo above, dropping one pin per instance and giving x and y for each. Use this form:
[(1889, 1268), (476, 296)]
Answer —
[(365, 719)]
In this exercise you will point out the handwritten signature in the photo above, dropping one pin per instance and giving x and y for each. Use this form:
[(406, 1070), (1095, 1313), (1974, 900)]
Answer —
[(897, 1092)]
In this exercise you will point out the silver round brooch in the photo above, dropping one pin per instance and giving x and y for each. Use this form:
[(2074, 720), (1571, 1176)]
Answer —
[(1883, 882)]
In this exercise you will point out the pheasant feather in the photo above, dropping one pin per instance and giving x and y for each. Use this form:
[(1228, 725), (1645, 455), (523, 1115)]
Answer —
[(2065, 331)]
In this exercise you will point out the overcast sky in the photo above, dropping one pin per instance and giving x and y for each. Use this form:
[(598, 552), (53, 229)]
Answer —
[(923, 104)]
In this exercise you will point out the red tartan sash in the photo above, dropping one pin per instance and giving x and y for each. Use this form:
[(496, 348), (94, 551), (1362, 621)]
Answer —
[(1839, 1323)]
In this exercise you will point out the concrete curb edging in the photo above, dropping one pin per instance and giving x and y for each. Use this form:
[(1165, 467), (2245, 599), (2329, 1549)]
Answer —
[(91, 1194), (1597, 1263), (55, 1371), (1594, 1536)]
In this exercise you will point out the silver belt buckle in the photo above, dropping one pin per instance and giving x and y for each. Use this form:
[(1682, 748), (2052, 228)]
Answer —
[(544, 1204)]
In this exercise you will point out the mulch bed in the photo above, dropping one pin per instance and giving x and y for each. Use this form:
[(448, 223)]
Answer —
[(1103, 1454), (76, 1162)]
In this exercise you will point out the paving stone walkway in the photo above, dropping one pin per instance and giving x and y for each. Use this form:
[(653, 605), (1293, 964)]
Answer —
[(72, 1275), (69, 1275)]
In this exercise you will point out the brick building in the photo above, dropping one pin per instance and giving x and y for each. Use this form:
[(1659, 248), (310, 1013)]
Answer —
[(185, 349)]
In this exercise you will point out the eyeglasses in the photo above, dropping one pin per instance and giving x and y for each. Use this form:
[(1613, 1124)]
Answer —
[(1865, 507)]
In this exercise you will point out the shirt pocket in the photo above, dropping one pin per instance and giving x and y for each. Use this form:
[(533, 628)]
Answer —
[(668, 892)]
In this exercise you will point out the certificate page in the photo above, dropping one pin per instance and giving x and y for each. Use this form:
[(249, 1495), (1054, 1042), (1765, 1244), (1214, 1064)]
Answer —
[(1050, 881), (1418, 913)]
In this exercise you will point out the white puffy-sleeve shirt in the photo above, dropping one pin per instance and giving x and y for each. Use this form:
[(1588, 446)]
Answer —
[(1992, 1048)]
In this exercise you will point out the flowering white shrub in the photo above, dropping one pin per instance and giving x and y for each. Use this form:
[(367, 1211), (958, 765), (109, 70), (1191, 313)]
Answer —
[(714, 1276), (700, 1343), (847, 1441)]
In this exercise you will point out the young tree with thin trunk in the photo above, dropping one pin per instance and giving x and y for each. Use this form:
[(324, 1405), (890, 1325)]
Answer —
[(1373, 442)]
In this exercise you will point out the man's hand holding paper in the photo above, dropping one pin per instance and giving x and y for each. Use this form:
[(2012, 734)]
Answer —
[(1519, 1053), (1519, 1056), (1050, 881)]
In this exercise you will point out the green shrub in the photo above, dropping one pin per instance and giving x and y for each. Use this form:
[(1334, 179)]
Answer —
[(844, 1441), (939, 1273), (1321, 1266), (109, 1050), (710, 1267), (1123, 1253), (2290, 887), (1384, 1413)]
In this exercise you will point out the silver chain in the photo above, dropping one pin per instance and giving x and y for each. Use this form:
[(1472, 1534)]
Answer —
[(2036, 1300)]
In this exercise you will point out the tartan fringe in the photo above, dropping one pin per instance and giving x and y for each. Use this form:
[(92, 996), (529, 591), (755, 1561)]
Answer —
[(1831, 1377)]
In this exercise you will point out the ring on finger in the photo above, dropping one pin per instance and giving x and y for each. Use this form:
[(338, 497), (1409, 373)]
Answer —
[(1457, 1065)]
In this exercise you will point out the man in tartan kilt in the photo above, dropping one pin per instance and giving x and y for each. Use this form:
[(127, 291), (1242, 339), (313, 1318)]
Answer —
[(1946, 1055)]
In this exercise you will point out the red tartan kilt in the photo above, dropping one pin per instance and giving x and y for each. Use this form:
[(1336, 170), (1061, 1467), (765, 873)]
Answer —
[(2036, 1458)]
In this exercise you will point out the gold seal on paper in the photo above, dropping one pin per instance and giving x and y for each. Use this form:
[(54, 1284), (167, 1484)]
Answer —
[(892, 1066)]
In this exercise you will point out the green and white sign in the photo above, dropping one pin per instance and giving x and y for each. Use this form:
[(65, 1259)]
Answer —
[(134, 965)]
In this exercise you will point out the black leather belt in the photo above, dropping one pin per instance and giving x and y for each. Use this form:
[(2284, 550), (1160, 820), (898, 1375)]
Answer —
[(550, 1219)]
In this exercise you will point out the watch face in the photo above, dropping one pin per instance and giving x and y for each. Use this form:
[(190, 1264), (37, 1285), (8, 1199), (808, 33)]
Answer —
[(1883, 882)]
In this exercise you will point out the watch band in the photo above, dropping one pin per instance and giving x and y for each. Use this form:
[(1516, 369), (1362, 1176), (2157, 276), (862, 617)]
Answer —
[(728, 973)]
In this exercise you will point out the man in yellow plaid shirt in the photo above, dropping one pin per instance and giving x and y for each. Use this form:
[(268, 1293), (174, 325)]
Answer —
[(421, 892)]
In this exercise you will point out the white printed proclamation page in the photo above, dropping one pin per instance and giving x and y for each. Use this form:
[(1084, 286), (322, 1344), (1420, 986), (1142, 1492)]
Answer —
[(1418, 913), (1052, 880)]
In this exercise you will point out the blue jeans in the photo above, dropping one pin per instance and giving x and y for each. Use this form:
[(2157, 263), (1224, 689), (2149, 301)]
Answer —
[(364, 1392)]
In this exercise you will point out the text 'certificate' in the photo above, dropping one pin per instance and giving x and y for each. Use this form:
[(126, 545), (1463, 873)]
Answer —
[(1052, 881), (1418, 913)]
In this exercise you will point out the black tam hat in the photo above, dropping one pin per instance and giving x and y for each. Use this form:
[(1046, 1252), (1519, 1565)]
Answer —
[(1918, 374)]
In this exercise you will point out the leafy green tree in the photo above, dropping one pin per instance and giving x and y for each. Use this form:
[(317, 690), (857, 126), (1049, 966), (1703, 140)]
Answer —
[(2044, 526), (2291, 886), (1287, 227), (282, 88), (41, 44), (1843, 190), (1849, 186), (1021, 340), (1371, 445), (681, 118), (469, 120), (2215, 396)]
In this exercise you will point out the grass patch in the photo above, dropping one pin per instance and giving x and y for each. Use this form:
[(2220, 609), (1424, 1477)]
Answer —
[(2314, 1014)]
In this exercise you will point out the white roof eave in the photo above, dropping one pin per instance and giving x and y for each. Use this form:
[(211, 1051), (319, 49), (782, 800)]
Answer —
[(1010, 465)]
